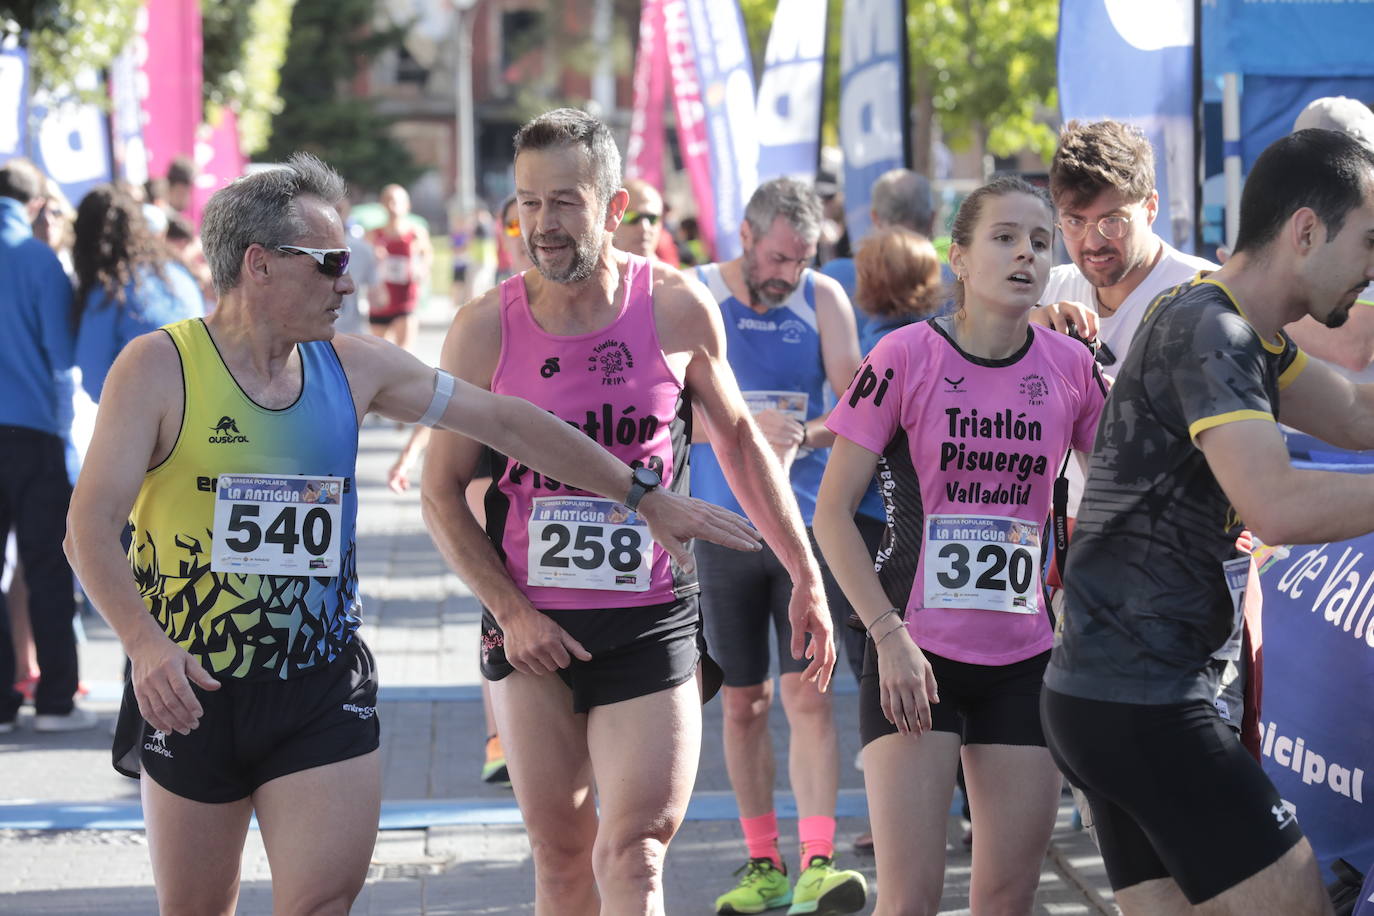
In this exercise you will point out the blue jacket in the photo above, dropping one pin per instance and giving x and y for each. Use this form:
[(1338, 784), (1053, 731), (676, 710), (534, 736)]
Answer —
[(149, 303), (35, 329)]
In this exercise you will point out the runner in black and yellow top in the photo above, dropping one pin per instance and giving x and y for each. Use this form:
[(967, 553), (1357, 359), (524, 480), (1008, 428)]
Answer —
[(233, 441), (1189, 451)]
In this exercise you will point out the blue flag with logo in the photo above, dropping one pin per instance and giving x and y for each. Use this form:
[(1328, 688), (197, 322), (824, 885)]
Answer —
[(726, 74), (790, 90), (873, 102), (1131, 61), (71, 142)]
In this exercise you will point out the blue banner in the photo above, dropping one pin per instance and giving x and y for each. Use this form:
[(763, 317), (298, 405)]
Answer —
[(14, 94), (789, 103), (1269, 105), (874, 125), (1288, 37), (71, 142), (1133, 62), (726, 75), (1317, 722)]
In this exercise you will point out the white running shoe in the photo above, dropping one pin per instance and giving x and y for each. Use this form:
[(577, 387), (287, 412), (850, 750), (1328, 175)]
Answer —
[(76, 720)]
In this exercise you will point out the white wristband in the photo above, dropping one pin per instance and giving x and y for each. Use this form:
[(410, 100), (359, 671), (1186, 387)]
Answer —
[(443, 390)]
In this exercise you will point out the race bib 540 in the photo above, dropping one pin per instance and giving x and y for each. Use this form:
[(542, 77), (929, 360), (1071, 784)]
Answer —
[(277, 525)]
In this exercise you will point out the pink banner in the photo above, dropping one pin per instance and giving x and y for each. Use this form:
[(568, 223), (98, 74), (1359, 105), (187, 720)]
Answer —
[(644, 156), (220, 157), (172, 73), (691, 117)]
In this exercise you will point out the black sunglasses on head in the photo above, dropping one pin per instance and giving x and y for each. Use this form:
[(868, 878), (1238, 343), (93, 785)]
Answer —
[(332, 262)]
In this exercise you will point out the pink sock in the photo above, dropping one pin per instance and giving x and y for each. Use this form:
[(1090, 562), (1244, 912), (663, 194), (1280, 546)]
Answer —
[(817, 837), (761, 836)]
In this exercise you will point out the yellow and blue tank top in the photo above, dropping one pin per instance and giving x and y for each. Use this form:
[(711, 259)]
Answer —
[(243, 625)]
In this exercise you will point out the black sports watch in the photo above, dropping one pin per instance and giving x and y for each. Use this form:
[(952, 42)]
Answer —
[(642, 482)]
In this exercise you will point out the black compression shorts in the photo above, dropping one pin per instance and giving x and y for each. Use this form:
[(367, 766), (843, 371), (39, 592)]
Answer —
[(635, 651), (1173, 792), (252, 732), (982, 704)]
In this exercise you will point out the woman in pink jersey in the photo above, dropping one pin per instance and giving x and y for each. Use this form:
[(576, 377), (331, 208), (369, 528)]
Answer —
[(966, 420)]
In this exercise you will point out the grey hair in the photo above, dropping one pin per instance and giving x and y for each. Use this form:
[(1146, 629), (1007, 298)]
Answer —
[(261, 209), (572, 127), (902, 197), (793, 200)]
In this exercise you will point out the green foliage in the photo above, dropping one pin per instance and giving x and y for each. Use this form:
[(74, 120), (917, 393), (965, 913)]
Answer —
[(986, 65), (67, 37), (244, 45), (318, 115)]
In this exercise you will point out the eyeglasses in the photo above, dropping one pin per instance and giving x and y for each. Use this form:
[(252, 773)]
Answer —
[(332, 262), (513, 227), (1110, 227), (634, 216)]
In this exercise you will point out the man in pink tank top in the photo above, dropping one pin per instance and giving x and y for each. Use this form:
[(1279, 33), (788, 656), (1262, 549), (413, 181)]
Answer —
[(591, 639)]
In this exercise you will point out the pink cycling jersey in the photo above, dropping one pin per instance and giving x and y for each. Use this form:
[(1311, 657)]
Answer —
[(564, 548), (968, 452)]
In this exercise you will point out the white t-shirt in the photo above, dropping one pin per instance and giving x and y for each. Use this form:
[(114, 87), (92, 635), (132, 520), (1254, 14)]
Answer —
[(1116, 330)]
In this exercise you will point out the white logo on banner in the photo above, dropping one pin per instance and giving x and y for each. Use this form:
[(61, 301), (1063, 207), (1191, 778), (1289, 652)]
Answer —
[(789, 103), (1152, 26), (71, 137), (869, 129)]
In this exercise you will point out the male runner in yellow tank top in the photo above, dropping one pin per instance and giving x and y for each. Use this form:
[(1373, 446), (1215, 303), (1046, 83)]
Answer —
[(250, 692)]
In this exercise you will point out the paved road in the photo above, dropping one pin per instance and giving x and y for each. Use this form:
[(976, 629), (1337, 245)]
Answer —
[(69, 842)]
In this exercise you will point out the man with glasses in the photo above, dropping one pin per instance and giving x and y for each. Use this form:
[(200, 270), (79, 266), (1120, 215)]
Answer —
[(250, 689), (1102, 180), (640, 230)]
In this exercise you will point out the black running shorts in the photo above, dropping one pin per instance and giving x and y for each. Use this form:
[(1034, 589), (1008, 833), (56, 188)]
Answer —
[(1173, 792), (744, 598), (635, 651), (252, 732), (982, 704)]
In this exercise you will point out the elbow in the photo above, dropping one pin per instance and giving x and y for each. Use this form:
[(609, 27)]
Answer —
[(69, 544), (1275, 526)]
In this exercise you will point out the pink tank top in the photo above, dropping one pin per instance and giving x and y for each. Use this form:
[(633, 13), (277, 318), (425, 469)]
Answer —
[(567, 549), (968, 452)]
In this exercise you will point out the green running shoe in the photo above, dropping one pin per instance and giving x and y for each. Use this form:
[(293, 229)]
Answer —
[(494, 768), (824, 890), (763, 887)]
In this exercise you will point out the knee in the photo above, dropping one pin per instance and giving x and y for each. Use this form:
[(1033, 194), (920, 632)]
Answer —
[(633, 858), (561, 860), (744, 706), (805, 701)]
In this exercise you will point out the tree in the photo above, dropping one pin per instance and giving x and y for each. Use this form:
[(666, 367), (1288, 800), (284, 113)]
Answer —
[(66, 38), (983, 67), (318, 115), (244, 42)]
